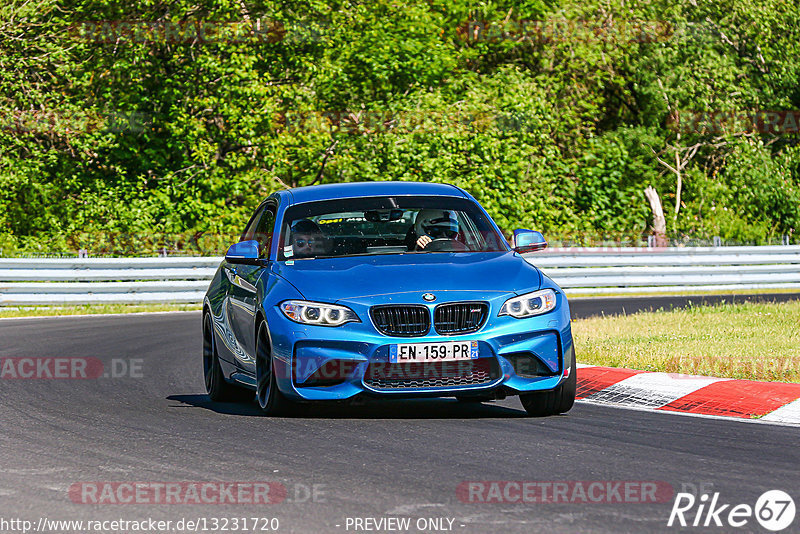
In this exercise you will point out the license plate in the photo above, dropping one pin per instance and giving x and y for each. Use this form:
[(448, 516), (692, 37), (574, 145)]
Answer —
[(433, 352)]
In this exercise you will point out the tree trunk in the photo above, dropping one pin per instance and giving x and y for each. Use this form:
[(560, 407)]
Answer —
[(679, 184), (659, 223)]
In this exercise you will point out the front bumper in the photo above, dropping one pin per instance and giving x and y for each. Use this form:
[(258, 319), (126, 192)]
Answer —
[(324, 363)]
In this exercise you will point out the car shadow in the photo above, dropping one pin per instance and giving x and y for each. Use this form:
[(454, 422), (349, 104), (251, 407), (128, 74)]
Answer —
[(242, 407), (440, 408)]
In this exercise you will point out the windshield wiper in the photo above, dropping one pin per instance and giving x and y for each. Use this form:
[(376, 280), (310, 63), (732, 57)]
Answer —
[(326, 257)]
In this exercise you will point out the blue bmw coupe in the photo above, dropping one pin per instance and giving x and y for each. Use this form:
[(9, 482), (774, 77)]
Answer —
[(385, 289)]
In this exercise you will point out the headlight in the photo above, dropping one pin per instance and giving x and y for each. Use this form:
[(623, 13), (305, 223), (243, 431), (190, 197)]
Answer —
[(530, 304), (305, 312)]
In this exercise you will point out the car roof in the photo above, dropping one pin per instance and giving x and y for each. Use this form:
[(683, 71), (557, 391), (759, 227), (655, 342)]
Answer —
[(369, 189)]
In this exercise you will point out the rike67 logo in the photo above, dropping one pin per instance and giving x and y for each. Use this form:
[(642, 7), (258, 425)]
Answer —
[(774, 510)]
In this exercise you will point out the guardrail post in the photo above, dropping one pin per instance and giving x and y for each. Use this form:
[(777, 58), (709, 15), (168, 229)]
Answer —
[(83, 253), (717, 241), (785, 240)]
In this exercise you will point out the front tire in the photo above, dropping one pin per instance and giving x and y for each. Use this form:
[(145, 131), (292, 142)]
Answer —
[(218, 389), (269, 398), (559, 400)]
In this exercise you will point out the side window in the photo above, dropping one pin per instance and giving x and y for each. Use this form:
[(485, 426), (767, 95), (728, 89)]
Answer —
[(250, 230), (263, 232)]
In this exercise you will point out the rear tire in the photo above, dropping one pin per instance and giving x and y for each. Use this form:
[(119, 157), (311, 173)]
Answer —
[(269, 398), (559, 400), (218, 389)]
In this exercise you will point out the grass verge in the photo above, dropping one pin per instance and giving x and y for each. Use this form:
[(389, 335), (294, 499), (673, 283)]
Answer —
[(91, 309), (755, 341)]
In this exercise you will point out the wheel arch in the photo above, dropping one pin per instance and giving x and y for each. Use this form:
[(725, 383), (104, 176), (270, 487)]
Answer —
[(261, 318)]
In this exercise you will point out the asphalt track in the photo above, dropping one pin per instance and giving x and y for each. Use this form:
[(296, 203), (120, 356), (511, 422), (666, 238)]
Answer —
[(382, 459)]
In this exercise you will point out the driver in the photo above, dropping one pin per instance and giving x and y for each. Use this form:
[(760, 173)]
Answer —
[(433, 224), (307, 239)]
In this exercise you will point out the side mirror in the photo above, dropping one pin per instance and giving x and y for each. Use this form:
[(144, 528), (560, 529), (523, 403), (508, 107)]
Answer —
[(243, 252), (528, 241)]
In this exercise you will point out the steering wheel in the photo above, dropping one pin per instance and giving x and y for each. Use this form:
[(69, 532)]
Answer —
[(445, 244)]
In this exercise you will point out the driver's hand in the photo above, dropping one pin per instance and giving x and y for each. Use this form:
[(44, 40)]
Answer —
[(423, 241)]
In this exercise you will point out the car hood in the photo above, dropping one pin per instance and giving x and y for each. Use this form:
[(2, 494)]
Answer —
[(333, 279)]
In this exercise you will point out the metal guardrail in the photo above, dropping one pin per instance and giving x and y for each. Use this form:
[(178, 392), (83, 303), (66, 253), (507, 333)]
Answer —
[(105, 280), (577, 270)]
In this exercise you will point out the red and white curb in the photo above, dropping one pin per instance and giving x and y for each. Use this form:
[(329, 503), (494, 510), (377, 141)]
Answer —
[(776, 402)]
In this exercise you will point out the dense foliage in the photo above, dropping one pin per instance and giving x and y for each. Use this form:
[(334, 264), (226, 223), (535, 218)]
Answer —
[(167, 124)]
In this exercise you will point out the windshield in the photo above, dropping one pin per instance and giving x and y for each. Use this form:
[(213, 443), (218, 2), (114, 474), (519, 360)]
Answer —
[(386, 225)]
